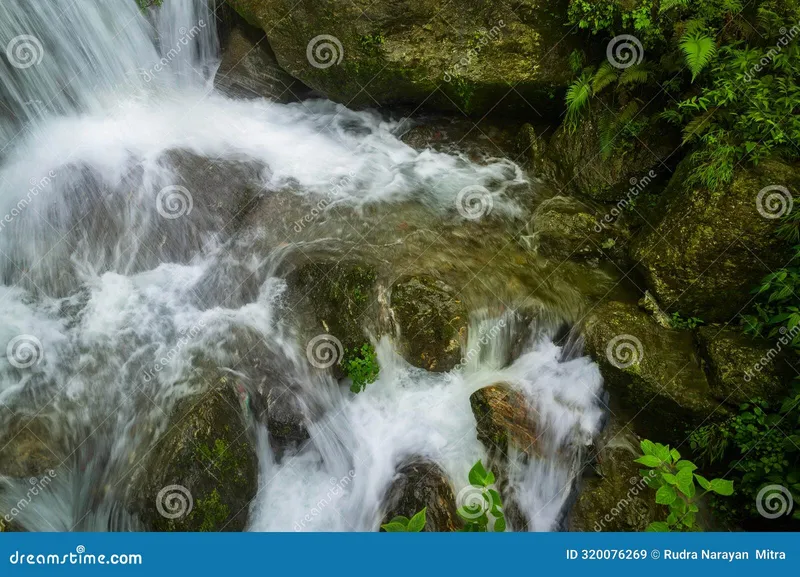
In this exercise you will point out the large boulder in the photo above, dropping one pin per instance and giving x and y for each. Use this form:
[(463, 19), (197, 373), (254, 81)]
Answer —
[(712, 247), (459, 55), (203, 472), (741, 368), (433, 322), (417, 484), (653, 372)]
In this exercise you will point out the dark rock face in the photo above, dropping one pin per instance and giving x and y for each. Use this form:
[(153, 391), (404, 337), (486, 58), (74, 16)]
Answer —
[(418, 484), (203, 473), (654, 372), (741, 368), (433, 322), (285, 419), (460, 56), (711, 248)]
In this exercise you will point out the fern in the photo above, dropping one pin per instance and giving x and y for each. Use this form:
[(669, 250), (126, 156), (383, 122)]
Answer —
[(604, 76), (578, 95), (698, 49), (638, 74), (670, 4)]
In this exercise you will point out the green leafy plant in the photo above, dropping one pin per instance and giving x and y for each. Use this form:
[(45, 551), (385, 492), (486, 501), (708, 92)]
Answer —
[(402, 524), (484, 507), (699, 49), (361, 365), (674, 482), (679, 322)]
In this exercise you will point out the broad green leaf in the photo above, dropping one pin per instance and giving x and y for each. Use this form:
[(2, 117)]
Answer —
[(500, 525), (676, 456), (394, 528), (649, 461), (704, 483), (400, 519), (670, 478), (662, 452), (648, 447), (722, 487), (666, 495), (693, 508), (658, 527), (685, 465), (417, 522), (686, 482), (477, 475)]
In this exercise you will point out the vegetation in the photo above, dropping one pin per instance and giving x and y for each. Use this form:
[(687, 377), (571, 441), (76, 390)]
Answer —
[(679, 322), (724, 71), (674, 481), (402, 524), (484, 509), (361, 365)]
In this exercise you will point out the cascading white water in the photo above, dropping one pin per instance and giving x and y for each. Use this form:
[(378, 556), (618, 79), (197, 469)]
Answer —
[(101, 280)]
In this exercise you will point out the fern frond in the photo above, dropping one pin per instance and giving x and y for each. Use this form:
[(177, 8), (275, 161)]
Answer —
[(578, 95), (607, 130), (698, 49), (637, 74), (628, 113), (670, 4), (697, 126), (604, 76)]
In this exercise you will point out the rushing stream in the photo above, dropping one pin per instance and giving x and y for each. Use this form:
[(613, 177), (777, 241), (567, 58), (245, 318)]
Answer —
[(109, 259)]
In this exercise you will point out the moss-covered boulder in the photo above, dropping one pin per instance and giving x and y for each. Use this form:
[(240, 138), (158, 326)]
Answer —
[(577, 162), (741, 368), (565, 228), (433, 322), (653, 372), (420, 483), (711, 247), (613, 496), (461, 55), (203, 472), (333, 299)]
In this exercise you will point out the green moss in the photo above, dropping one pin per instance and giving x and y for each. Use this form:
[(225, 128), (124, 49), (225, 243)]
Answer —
[(210, 513)]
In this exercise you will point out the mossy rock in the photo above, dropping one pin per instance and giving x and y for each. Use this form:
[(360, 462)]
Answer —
[(577, 162), (420, 483), (285, 419), (613, 495), (653, 372), (335, 299), (205, 459), (741, 368), (28, 448), (433, 322), (459, 56), (711, 248)]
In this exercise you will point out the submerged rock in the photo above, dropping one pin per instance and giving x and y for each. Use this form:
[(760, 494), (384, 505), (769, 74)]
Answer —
[(711, 248), (203, 473), (418, 484), (433, 322), (462, 55), (653, 372), (741, 368), (285, 419)]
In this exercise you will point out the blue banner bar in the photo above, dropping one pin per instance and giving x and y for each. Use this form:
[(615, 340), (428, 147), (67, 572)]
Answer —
[(356, 554)]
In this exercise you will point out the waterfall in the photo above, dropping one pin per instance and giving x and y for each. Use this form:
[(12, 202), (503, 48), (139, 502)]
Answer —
[(121, 170)]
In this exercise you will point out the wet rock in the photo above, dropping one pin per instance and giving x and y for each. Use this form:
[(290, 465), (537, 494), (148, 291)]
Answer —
[(613, 495), (506, 426), (249, 68), (654, 373), (711, 248), (203, 473), (419, 484), (285, 419), (650, 304), (577, 163), (433, 322), (741, 368), (461, 56), (27, 447)]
